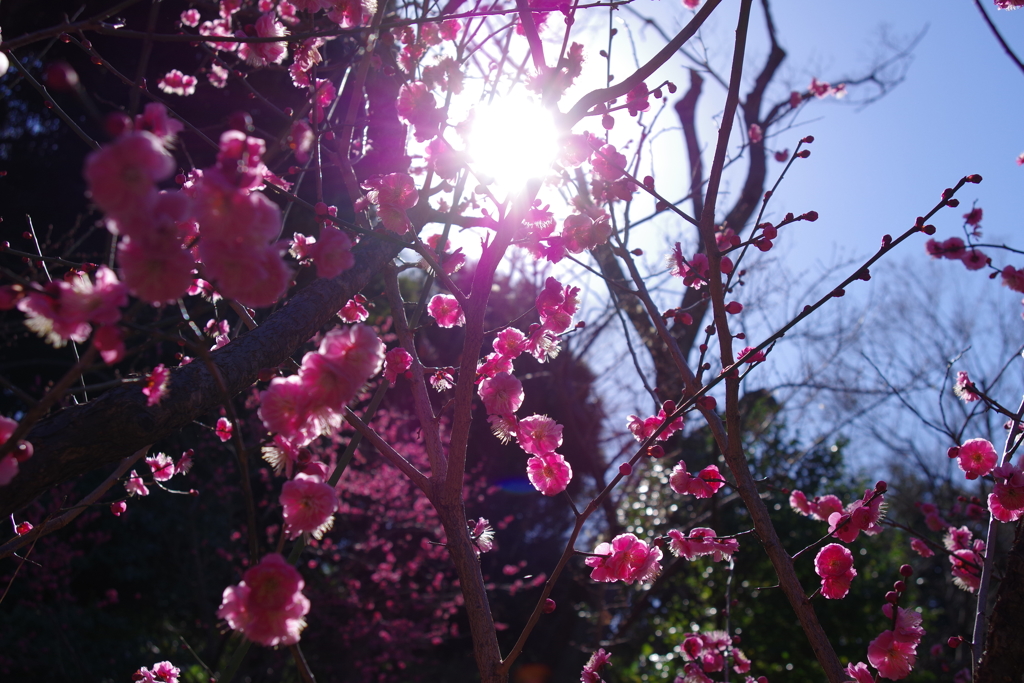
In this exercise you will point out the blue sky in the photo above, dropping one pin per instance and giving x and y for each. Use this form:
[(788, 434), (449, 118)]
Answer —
[(873, 169)]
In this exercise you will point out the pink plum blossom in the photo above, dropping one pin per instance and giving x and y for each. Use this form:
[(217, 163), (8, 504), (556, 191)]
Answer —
[(893, 659), (1013, 278), (921, 548), (626, 558), (177, 83), (346, 359), (190, 17), (966, 568), (262, 54), (224, 429), (354, 310), (122, 175), (65, 309), (700, 542), (908, 624), (549, 473), (163, 672), (859, 673), (861, 515), (268, 605), (392, 195), (608, 163), (332, 253), (309, 505), (156, 385), (834, 564), (162, 466), (539, 434), (396, 362), (135, 486), (964, 388), (1006, 502), (590, 672), (703, 485), (501, 394), (445, 309), (977, 457), (642, 429), (416, 104), (975, 259)]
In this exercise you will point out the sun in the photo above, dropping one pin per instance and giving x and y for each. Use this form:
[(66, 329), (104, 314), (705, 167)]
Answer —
[(512, 140)]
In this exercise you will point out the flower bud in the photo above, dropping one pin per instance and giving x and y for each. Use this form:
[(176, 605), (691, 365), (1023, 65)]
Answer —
[(655, 452), (954, 641), (549, 606), (899, 586), (974, 178), (906, 570), (625, 469), (892, 597), (881, 487), (953, 452)]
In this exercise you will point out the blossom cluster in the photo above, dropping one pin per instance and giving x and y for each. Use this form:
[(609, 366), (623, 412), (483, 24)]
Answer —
[(894, 652), (300, 407), (710, 652), (502, 392), (626, 558), (844, 523)]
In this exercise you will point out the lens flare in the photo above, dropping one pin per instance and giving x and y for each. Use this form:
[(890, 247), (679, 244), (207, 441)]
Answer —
[(512, 140)]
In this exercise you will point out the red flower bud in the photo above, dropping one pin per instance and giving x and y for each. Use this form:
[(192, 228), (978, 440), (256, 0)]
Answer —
[(549, 606), (906, 570), (625, 469)]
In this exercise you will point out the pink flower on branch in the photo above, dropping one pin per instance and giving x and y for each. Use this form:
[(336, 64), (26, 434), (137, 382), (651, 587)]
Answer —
[(501, 394), (445, 309), (702, 542), (976, 458), (549, 473), (224, 429), (262, 54), (396, 362), (268, 605), (893, 659), (392, 195), (626, 558), (964, 388), (156, 385), (162, 466), (921, 548), (539, 434), (122, 176), (163, 672), (309, 505), (834, 564), (703, 485), (135, 486), (177, 83)]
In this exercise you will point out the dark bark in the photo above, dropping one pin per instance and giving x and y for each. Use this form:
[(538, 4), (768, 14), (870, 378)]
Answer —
[(1003, 659), (81, 438)]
